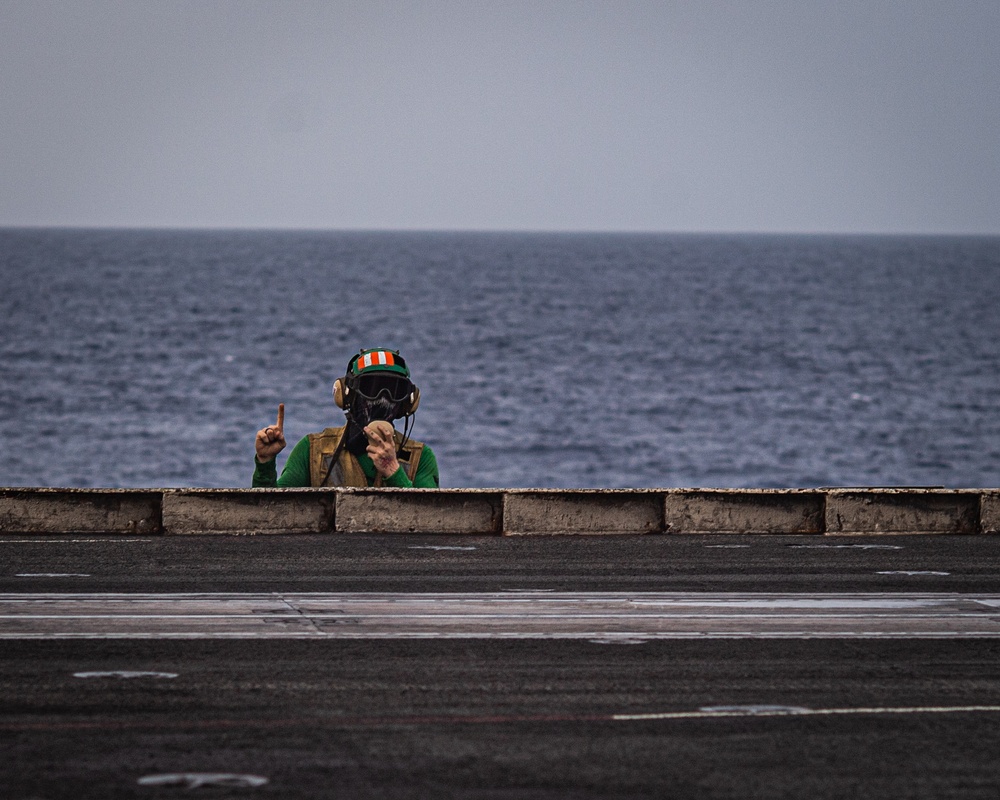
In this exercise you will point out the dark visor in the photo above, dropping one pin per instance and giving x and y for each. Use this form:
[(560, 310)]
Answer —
[(395, 387)]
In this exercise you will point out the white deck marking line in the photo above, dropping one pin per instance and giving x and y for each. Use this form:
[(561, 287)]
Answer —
[(829, 599), (314, 635), (453, 617), (499, 615), (52, 575), (195, 780), (437, 547), (45, 539), (847, 546), (314, 722), (807, 712), (125, 674), (911, 572)]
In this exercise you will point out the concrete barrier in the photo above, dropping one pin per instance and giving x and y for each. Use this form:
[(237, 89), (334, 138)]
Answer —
[(595, 511), (210, 511), (902, 511), (419, 511), (80, 511), (511, 512), (743, 511)]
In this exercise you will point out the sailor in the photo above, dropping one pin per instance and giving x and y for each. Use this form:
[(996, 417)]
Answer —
[(375, 391)]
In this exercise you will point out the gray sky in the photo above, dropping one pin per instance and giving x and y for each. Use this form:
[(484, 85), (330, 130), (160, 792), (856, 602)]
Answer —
[(772, 115)]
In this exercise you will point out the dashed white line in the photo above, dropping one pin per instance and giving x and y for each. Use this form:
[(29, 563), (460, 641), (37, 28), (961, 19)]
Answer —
[(781, 711), (125, 674), (195, 780), (437, 547), (52, 575), (846, 546), (911, 572), (754, 710), (48, 539)]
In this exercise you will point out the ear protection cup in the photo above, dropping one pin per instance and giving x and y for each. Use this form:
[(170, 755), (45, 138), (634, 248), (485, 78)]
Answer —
[(342, 386), (412, 403), (340, 392)]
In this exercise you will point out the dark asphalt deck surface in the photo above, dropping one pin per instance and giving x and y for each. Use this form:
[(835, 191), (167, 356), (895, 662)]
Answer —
[(498, 719)]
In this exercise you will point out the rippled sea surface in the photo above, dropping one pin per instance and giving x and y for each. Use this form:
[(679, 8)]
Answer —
[(150, 358)]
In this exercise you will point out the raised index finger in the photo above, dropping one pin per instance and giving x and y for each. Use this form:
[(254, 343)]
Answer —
[(281, 417)]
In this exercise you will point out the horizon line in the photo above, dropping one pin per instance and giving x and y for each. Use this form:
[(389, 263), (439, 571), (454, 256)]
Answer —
[(486, 230)]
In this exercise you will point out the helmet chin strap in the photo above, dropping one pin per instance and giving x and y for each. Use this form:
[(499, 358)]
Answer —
[(354, 437)]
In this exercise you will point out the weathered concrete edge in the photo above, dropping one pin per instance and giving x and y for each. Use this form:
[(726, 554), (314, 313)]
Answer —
[(456, 511), (213, 511), (129, 511), (511, 512), (776, 511), (582, 511), (854, 511)]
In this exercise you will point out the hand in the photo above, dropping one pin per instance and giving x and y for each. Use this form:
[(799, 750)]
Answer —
[(271, 440), (382, 448)]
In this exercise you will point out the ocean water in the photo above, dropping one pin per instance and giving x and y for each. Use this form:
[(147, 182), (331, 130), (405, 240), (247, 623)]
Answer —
[(150, 358)]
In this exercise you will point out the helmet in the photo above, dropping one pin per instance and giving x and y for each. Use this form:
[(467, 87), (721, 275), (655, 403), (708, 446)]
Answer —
[(377, 385)]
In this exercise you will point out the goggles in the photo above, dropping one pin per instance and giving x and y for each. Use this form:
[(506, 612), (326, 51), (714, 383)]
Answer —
[(373, 386)]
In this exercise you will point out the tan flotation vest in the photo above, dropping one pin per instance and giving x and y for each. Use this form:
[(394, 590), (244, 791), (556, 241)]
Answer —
[(347, 471)]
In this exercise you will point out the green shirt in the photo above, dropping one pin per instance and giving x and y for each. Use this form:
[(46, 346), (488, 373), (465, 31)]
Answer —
[(296, 471)]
